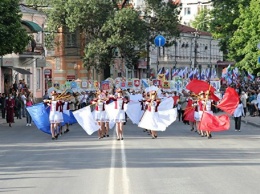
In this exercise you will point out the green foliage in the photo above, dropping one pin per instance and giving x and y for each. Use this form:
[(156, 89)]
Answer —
[(243, 44), (38, 4), (202, 21), (110, 25), (13, 37), (163, 18), (222, 26)]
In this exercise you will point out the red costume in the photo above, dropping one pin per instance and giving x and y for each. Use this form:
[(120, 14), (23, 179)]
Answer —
[(10, 103)]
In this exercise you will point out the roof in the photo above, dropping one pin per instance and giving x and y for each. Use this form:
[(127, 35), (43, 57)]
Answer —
[(225, 63), (25, 9), (32, 26), (188, 29)]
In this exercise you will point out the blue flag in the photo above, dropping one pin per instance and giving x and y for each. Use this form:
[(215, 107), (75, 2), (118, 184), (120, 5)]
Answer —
[(40, 117)]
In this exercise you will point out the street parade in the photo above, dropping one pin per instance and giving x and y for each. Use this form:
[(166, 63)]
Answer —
[(153, 105)]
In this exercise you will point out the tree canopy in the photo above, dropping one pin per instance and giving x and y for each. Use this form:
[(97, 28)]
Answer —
[(202, 21), (236, 24), (243, 44), (13, 37), (111, 26)]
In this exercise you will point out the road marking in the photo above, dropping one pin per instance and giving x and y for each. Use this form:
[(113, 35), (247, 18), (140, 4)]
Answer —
[(125, 178), (111, 181)]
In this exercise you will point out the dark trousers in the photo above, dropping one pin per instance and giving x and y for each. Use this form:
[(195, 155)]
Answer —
[(83, 104), (180, 114), (237, 123), (18, 114), (3, 113), (245, 110)]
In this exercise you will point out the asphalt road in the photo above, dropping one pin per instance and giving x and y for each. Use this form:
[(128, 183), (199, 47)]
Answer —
[(178, 162)]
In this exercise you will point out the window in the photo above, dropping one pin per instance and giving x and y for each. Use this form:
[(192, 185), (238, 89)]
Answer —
[(71, 39), (187, 11), (38, 73), (57, 64)]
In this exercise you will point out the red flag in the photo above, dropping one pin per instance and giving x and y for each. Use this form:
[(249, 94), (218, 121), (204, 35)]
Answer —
[(213, 97), (197, 86), (189, 114), (230, 101), (214, 123)]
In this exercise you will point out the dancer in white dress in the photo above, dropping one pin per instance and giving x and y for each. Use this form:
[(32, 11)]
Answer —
[(120, 103), (54, 117), (100, 113)]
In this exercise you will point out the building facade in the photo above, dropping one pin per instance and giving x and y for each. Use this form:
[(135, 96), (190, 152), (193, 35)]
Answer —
[(28, 65), (184, 53)]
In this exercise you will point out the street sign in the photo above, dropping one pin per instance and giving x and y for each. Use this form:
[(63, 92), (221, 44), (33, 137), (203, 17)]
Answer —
[(159, 40), (259, 60)]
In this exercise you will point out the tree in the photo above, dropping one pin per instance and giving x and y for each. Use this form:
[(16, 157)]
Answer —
[(13, 37), (202, 21), (222, 24), (243, 44), (109, 25)]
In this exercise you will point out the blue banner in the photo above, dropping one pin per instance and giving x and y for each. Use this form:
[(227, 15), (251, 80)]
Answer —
[(40, 117)]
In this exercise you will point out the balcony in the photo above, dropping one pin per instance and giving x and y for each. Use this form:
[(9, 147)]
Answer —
[(29, 51)]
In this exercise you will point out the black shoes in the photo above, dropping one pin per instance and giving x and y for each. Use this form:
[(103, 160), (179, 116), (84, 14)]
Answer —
[(66, 131)]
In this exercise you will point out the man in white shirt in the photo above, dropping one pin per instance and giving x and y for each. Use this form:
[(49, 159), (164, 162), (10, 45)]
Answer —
[(239, 112), (83, 100)]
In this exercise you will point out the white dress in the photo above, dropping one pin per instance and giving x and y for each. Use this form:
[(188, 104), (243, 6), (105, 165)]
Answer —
[(120, 113), (100, 114), (55, 114), (151, 119)]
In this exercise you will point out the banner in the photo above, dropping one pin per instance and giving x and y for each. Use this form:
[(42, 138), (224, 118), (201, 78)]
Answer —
[(118, 82), (105, 85), (136, 84), (215, 84), (166, 85), (157, 82), (130, 84), (178, 84)]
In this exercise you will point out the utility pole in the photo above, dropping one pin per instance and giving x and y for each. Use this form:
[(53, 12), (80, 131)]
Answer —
[(148, 57), (196, 35)]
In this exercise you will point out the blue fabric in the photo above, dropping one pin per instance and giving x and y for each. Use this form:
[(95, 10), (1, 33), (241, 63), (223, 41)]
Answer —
[(70, 119), (40, 116)]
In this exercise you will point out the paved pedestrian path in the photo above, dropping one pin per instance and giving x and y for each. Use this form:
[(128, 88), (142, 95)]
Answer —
[(252, 120)]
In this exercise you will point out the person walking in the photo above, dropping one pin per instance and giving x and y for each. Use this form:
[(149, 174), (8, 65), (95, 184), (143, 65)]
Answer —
[(18, 106), (243, 99), (28, 116), (10, 103), (238, 113), (3, 105), (120, 103)]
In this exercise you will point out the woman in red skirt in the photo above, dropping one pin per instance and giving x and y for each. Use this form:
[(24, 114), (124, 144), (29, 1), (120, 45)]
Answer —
[(10, 103)]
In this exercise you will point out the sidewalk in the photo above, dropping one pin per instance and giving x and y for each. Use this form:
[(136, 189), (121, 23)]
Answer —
[(255, 121), (18, 122)]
